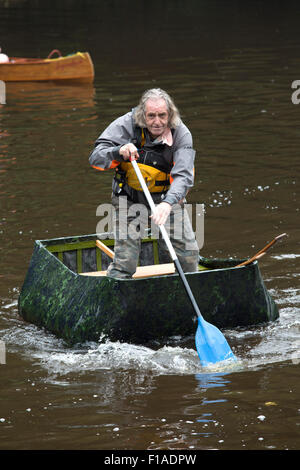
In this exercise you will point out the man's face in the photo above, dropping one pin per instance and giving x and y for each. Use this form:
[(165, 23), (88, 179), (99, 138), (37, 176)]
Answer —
[(156, 116)]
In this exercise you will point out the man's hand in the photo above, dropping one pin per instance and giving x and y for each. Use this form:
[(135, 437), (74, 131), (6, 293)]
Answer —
[(129, 150), (162, 212)]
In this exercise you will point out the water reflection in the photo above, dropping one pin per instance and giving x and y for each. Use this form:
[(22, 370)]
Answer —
[(212, 380), (36, 90), (32, 115)]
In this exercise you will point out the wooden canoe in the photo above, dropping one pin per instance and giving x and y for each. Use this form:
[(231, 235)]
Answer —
[(67, 292), (73, 67)]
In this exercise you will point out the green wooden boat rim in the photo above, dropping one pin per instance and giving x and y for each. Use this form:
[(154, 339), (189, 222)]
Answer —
[(81, 242)]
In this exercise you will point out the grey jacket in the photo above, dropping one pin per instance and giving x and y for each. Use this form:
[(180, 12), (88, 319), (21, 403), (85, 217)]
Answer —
[(181, 153)]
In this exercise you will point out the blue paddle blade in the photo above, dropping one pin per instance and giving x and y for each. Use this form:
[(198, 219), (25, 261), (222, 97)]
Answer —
[(211, 344)]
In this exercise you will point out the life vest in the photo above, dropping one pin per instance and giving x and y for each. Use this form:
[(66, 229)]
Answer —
[(154, 167)]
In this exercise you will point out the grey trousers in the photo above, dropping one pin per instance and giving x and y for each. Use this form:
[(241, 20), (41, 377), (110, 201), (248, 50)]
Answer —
[(131, 222)]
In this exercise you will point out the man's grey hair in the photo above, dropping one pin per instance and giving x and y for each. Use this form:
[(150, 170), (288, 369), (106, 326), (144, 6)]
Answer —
[(157, 94)]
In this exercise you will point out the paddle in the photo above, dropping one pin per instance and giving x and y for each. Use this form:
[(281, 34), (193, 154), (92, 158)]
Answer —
[(105, 249), (262, 252), (211, 344)]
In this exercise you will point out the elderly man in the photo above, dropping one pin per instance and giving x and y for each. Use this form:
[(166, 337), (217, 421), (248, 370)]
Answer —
[(155, 136)]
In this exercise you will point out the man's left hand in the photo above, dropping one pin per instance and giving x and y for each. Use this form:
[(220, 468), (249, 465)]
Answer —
[(161, 213)]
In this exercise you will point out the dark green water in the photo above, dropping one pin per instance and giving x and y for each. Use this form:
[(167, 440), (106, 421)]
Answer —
[(229, 67)]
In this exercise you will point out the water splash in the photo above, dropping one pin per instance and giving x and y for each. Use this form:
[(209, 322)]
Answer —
[(254, 347), (122, 356)]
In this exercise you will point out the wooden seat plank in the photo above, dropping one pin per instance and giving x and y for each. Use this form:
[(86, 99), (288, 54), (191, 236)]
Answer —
[(143, 271)]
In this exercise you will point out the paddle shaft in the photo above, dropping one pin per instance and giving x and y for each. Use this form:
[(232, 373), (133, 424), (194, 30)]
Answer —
[(166, 239), (250, 260), (105, 249), (261, 252)]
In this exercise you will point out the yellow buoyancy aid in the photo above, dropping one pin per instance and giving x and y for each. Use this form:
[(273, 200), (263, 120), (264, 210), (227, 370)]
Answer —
[(156, 180)]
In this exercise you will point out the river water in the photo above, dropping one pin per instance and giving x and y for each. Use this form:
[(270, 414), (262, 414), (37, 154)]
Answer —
[(229, 66)]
